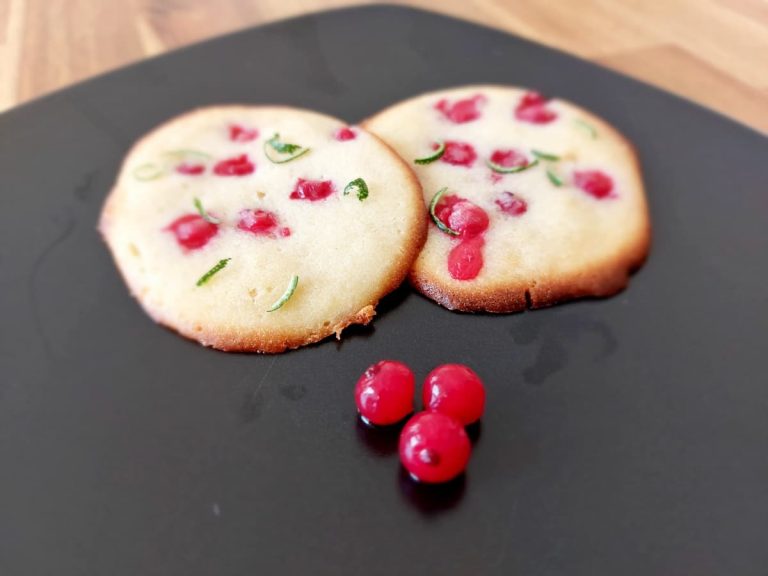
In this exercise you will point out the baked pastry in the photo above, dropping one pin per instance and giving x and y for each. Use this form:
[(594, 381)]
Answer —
[(260, 228), (533, 200)]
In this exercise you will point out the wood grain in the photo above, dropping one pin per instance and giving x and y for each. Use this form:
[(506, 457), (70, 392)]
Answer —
[(714, 52)]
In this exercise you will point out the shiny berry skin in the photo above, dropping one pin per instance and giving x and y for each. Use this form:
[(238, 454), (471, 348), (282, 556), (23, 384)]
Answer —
[(237, 166), (312, 190), (344, 134), (456, 391), (459, 154), (511, 204), (465, 260), (595, 183), (434, 447), (461, 215), (384, 393), (192, 231), (239, 133)]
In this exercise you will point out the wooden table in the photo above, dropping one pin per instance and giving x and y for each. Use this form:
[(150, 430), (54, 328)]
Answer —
[(712, 51)]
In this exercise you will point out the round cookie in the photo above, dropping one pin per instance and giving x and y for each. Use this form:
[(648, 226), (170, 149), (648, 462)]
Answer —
[(534, 200), (261, 228)]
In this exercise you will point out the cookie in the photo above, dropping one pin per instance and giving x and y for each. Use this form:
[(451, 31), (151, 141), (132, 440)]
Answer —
[(533, 200), (260, 228)]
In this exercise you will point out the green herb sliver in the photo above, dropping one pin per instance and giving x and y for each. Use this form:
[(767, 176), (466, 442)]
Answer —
[(436, 155), (147, 172), (286, 295), (203, 214), (587, 127), (359, 187), (545, 156), (279, 152), (554, 178), (437, 221), (221, 264), (510, 169)]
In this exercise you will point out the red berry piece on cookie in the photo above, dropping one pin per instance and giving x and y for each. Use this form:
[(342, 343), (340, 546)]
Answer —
[(344, 134), (236, 166), (533, 108), (459, 154), (511, 204), (462, 216), (595, 183), (312, 190), (189, 169), (461, 111), (192, 231), (238, 133), (261, 223)]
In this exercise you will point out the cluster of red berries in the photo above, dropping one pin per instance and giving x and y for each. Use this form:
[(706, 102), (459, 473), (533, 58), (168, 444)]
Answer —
[(434, 447)]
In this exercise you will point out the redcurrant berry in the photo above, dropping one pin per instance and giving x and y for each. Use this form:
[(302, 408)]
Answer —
[(456, 391), (384, 393), (434, 447)]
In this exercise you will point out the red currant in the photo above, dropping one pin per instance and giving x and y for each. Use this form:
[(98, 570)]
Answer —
[(456, 391), (461, 111), (434, 447), (461, 215), (532, 108), (384, 393), (511, 204), (509, 158), (190, 169), (259, 222), (236, 166), (465, 260), (239, 133), (312, 190), (192, 231), (459, 153), (595, 183), (344, 133)]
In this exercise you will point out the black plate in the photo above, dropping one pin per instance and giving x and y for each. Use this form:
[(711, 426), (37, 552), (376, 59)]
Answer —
[(626, 436)]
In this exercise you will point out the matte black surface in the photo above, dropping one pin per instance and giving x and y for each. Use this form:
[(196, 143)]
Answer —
[(622, 437)]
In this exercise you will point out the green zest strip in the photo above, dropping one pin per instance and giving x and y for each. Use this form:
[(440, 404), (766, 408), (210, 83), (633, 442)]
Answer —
[(544, 156), (286, 150), (205, 216), (434, 156), (554, 178), (587, 127), (440, 224), (511, 169), (359, 187), (148, 171), (286, 295), (208, 275)]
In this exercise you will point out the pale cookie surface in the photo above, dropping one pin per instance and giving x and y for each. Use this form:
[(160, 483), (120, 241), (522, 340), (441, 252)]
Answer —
[(201, 191), (560, 213)]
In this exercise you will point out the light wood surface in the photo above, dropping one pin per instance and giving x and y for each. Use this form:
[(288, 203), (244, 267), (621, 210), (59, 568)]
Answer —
[(714, 52)]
